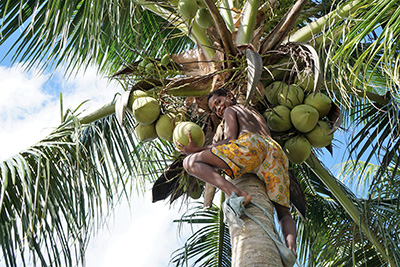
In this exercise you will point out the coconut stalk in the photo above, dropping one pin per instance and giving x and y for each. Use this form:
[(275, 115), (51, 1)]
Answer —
[(226, 13), (220, 25), (315, 165), (247, 22), (252, 246), (285, 25), (306, 33)]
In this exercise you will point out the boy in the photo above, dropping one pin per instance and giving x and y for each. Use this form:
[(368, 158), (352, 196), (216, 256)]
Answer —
[(247, 148)]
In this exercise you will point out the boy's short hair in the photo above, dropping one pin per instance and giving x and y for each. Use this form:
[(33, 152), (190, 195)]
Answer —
[(221, 91)]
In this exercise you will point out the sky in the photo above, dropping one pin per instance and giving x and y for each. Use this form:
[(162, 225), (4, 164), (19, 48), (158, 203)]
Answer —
[(138, 235)]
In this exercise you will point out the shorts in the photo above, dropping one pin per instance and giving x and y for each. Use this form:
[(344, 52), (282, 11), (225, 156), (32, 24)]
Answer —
[(253, 153)]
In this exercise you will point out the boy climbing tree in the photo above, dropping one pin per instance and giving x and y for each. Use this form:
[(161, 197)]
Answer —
[(247, 148)]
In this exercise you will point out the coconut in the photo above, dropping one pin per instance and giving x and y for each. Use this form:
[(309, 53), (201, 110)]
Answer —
[(297, 149), (143, 63), (278, 119), (165, 60), (304, 118), (165, 126), (306, 81), (150, 68), (320, 102), (319, 136), (272, 90), (203, 18), (146, 132), (187, 8), (134, 95), (200, 3), (181, 131), (145, 109), (290, 96)]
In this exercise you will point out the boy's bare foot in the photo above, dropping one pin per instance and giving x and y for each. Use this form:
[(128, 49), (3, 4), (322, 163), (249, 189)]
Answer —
[(247, 199)]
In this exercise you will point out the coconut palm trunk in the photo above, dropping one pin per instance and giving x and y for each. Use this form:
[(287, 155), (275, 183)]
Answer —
[(251, 246)]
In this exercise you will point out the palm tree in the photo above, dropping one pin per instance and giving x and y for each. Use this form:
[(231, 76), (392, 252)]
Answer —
[(348, 46)]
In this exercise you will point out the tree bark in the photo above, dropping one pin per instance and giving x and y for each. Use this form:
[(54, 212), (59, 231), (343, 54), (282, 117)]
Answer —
[(251, 246)]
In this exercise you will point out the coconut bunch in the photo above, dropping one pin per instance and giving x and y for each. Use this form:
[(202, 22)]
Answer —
[(197, 12), (299, 115), (152, 123)]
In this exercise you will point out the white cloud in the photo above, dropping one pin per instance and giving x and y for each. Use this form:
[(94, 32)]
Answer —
[(30, 107)]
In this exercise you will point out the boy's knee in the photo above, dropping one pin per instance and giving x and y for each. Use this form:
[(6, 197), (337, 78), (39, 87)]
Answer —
[(187, 163)]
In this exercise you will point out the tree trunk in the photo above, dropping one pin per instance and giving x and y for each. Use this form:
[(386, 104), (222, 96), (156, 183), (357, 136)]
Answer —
[(251, 246)]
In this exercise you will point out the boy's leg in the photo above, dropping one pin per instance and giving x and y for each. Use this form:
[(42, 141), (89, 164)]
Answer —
[(204, 165), (288, 226)]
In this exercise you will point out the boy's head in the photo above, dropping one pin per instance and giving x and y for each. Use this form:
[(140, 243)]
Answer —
[(219, 100)]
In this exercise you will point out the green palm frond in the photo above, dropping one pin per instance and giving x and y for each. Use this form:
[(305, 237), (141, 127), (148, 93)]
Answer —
[(208, 246), (330, 237), (78, 33), (57, 193)]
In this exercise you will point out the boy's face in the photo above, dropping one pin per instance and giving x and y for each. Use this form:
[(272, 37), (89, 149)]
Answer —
[(218, 104)]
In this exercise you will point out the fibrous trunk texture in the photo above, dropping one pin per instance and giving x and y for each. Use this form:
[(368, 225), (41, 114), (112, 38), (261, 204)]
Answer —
[(251, 246)]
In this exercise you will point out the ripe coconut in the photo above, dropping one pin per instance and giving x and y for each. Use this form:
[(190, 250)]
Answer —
[(272, 90), (304, 118), (134, 95), (203, 18), (181, 131), (297, 149), (146, 132), (290, 96), (320, 102), (187, 8), (319, 136), (165, 126), (278, 119), (145, 109)]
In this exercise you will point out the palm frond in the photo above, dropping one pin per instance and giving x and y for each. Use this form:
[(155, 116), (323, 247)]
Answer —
[(208, 246), (79, 33), (55, 194)]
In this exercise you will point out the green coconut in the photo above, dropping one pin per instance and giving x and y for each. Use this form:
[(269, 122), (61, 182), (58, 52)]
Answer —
[(272, 90), (187, 8), (134, 95), (165, 126), (146, 132), (278, 119), (297, 149), (143, 63), (150, 68), (197, 193), (165, 60), (145, 109), (319, 136), (304, 117), (201, 4), (203, 18), (290, 96), (320, 102), (306, 81), (181, 131)]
